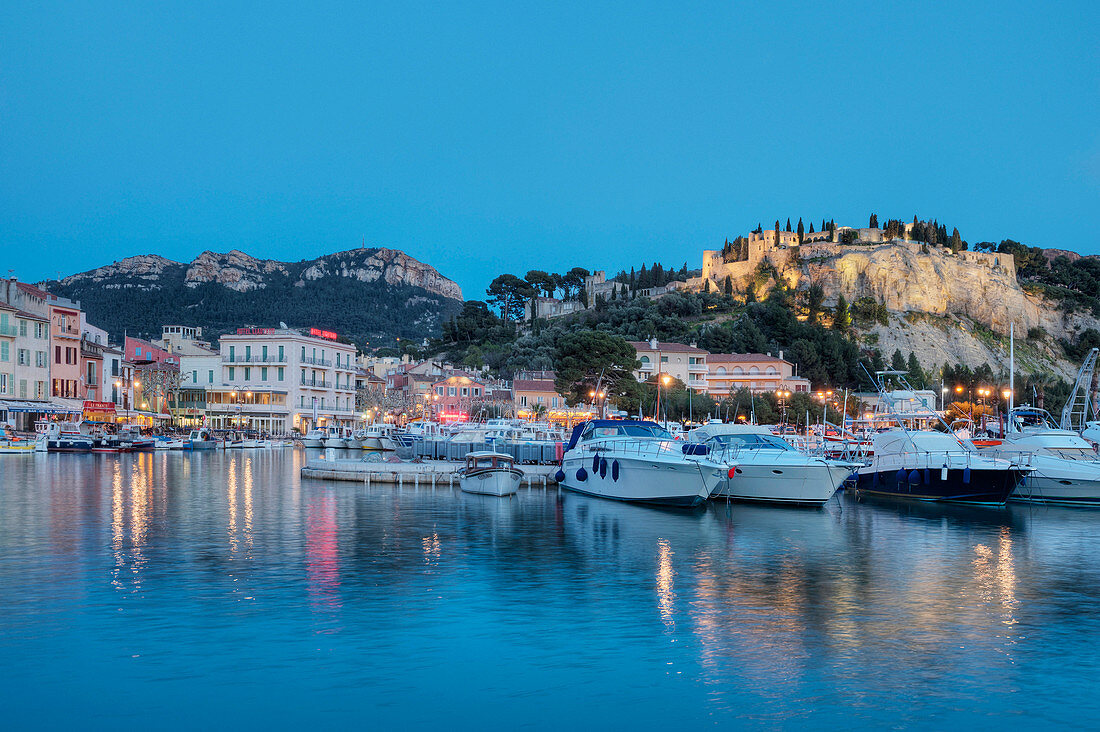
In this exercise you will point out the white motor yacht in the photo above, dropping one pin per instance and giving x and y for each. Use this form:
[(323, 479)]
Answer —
[(490, 473), (315, 437), (765, 468), (379, 436), (336, 437), (1066, 469), (639, 461)]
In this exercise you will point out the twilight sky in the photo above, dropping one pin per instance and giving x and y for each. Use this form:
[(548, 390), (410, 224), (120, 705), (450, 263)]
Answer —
[(490, 137)]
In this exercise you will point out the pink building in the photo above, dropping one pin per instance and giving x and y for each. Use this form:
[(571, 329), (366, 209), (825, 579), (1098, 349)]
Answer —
[(139, 351)]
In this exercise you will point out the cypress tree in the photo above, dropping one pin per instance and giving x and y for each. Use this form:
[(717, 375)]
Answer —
[(729, 286), (811, 227), (706, 285), (788, 223), (801, 230)]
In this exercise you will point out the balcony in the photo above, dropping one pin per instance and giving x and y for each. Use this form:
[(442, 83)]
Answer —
[(316, 383), (326, 409), (9, 330), (241, 358), (316, 362), (698, 368)]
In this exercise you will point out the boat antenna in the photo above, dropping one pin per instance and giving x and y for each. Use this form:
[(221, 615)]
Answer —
[(903, 383)]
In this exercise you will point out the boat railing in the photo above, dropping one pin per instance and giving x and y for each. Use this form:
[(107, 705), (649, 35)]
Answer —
[(633, 447)]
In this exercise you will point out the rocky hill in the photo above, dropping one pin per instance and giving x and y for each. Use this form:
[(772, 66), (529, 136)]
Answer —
[(946, 306), (365, 294)]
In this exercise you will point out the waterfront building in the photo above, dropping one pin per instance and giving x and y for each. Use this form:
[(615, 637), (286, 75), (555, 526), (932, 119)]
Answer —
[(8, 331), (534, 394), (457, 397), (758, 372), (314, 372), (687, 363)]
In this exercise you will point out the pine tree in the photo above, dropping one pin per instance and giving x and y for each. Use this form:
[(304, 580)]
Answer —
[(842, 316), (897, 361), (956, 240)]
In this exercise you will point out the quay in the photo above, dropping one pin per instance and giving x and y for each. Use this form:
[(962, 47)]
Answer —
[(426, 473)]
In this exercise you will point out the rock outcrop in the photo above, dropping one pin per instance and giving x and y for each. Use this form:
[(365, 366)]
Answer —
[(389, 265)]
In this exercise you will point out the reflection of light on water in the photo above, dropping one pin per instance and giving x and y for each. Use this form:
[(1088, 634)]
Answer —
[(127, 546), (322, 566), (996, 576), (665, 593), (431, 547), (248, 502), (231, 497), (117, 527)]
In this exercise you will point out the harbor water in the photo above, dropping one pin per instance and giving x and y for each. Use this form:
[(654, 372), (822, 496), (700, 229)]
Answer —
[(219, 590)]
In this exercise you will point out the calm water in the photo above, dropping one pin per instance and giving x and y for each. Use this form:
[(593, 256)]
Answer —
[(221, 591)]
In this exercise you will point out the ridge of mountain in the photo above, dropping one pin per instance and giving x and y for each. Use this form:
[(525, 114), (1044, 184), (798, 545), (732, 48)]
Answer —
[(364, 294)]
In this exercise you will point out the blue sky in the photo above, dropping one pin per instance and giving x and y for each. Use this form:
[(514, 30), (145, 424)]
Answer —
[(495, 137)]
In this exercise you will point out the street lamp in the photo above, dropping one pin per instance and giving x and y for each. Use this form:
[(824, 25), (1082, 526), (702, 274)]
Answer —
[(782, 395), (661, 379)]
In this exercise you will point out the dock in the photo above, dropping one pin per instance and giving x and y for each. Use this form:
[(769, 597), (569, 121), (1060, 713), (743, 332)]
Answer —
[(424, 473)]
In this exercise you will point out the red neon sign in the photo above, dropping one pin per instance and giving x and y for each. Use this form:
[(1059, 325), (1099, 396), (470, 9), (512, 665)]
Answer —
[(326, 334), (255, 331)]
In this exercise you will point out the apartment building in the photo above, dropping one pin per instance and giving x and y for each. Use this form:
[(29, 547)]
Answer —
[(728, 372), (684, 362), (286, 378)]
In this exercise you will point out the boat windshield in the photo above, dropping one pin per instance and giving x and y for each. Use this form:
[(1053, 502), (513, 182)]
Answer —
[(629, 430), (751, 441)]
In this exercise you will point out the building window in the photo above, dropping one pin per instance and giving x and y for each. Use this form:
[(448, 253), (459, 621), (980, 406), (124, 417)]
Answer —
[(247, 373), (523, 401), (210, 376), (23, 330), (231, 373), (281, 354), (465, 391), (451, 391), (23, 387), (720, 371), (439, 390), (280, 373), (57, 354), (263, 352), (263, 373), (4, 353), (664, 359), (24, 357)]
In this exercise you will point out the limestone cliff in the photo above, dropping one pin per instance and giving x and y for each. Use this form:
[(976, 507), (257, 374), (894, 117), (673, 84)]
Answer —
[(945, 306)]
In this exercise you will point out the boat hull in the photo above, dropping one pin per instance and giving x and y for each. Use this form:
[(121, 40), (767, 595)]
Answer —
[(803, 485), (337, 442), (492, 482), (977, 485), (1061, 491), (639, 480)]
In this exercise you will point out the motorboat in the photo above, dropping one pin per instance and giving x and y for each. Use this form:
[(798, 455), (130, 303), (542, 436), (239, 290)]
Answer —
[(765, 468), (635, 460), (1065, 467), (11, 444), (490, 473), (937, 466), (379, 436), (61, 437), (315, 437), (336, 437), (199, 439)]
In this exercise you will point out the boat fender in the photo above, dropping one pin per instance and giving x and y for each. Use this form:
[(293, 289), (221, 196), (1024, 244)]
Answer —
[(902, 476), (914, 477), (595, 462), (559, 476), (603, 467), (582, 474), (732, 471), (615, 470), (943, 473), (966, 475), (927, 477), (559, 451)]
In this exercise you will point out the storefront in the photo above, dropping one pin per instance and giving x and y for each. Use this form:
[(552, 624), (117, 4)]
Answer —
[(22, 414)]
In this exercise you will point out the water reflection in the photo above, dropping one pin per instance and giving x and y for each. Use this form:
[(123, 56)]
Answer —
[(873, 613)]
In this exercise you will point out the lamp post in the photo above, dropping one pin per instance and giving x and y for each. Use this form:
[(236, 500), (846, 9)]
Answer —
[(782, 395), (662, 379)]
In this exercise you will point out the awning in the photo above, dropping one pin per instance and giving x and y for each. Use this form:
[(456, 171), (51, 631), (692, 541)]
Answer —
[(12, 405)]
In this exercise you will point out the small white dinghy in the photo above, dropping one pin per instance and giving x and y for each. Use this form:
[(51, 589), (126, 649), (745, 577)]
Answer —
[(491, 474)]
